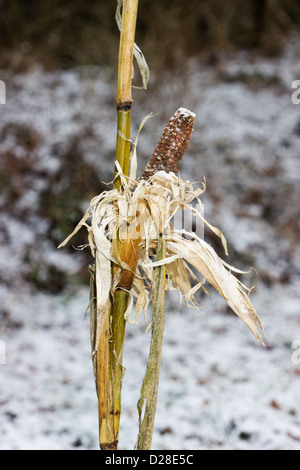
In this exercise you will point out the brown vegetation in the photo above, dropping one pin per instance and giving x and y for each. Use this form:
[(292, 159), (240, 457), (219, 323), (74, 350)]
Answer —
[(63, 34)]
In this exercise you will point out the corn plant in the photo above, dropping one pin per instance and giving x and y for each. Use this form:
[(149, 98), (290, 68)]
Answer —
[(139, 254)]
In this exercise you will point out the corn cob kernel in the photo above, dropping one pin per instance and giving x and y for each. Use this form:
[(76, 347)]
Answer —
[(172, 145)]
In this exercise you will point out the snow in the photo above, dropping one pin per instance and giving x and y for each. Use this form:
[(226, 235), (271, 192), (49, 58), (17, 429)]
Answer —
[(219, 388), (186, 112)]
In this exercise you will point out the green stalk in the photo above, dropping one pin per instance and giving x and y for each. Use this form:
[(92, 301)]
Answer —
[(109, 425), (122, 145), (149, 389), (124, 98)]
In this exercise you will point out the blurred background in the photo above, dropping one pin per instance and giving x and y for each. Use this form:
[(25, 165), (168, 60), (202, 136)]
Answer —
[(233, 63), (63, 34)]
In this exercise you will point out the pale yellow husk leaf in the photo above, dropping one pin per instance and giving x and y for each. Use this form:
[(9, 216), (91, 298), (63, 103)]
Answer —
[(113, 213)]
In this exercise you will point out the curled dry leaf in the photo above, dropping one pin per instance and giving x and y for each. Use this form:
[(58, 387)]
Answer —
[(155, 202)]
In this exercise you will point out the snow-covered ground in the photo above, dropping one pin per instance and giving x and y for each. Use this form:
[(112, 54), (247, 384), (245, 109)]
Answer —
[(219, 388)]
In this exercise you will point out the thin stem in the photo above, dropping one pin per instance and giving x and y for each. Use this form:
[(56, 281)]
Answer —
[(149, 390), (129, 16), (124, 98)]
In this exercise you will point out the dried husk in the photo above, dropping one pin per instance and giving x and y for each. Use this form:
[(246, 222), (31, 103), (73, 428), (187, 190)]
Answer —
[(156, 201)]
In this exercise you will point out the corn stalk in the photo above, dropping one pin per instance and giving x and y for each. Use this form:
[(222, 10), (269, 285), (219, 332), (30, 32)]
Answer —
[(110, 346), (149, 390), (124, 96), (167, 157)]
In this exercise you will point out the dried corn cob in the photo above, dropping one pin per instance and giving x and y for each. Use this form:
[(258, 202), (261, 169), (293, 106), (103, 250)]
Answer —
[(172, 145)]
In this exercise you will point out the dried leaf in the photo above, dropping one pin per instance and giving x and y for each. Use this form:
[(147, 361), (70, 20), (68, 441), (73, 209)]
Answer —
[(139, 56), (156, 201)]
